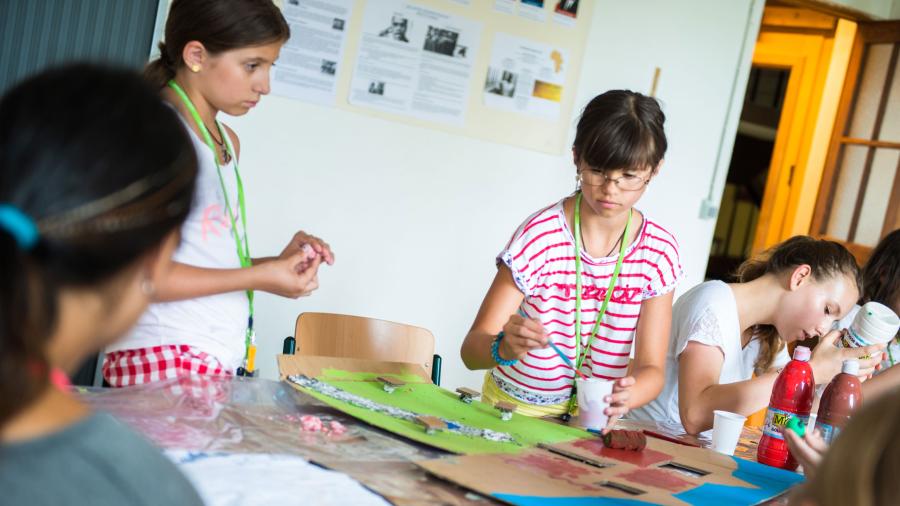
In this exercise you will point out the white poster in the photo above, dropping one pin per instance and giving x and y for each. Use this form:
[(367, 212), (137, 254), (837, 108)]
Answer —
[(566, 12), (309, 65), (533, 10), (414, 61), (505, 6), (525, 76)]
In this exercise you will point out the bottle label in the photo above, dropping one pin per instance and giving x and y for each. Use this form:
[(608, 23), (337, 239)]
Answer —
[(851, 339), (828, 432), (776, 419)]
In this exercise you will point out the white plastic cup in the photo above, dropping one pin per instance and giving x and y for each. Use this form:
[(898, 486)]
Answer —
[(592, 405), (727, 428)]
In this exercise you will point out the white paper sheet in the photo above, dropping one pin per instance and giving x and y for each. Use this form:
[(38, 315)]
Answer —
[(310, 61), (565, 12), (525, 76), (249, 479), (415, 61), (533, 10)]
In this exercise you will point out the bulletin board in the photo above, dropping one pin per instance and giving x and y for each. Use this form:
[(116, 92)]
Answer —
[(504, 71)]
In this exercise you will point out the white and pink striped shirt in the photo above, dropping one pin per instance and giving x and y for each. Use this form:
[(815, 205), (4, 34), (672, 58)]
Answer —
[(541, 258)]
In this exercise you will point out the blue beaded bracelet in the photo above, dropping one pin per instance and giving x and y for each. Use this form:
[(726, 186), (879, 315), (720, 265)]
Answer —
[(495, 351)]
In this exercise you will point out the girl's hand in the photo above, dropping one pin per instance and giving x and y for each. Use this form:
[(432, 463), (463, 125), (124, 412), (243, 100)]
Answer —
[(807, 450), (827, 358), (618, 401), (318, 246), (292, 276), (521, 335)]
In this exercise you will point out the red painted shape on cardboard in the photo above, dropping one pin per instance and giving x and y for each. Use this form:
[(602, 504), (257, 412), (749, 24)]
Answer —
[(643, 458), (658, 478), (557, 468)]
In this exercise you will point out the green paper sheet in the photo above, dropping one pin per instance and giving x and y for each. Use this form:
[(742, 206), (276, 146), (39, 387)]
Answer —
[(428, 399)]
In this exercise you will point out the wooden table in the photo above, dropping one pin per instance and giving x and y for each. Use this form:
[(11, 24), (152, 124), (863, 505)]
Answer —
[(261, 416)]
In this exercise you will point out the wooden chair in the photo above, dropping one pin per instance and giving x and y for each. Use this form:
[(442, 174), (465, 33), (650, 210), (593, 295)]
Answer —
[(337, 335)]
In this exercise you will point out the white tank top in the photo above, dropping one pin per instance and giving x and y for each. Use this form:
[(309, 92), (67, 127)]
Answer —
[(215, 324)]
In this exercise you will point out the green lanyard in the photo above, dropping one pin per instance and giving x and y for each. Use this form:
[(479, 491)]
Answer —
[(581, 354), (243, 250)]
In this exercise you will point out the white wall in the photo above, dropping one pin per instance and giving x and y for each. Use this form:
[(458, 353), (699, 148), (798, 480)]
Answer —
[(416, 216), (880, 9)]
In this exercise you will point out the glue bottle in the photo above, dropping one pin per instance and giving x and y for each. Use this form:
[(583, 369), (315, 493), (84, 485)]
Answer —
[(841, 397), (874, 324), (792, 396)]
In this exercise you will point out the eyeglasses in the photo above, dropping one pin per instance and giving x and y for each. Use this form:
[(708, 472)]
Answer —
[(625, 182)]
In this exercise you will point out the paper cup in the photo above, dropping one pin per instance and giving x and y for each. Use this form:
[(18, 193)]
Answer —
[(726, 431), (591, 403)]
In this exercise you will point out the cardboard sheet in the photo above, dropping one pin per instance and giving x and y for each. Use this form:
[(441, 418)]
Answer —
[(585, 472), (418, 395)]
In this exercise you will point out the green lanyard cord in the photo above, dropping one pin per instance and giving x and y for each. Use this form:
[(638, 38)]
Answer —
[(243, 250), (579, 353)]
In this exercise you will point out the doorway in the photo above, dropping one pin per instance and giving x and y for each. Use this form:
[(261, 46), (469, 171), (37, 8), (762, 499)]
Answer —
[(799, 62), (748, 171)]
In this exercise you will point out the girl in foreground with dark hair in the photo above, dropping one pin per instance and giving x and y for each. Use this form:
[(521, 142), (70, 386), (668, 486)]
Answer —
[(96, 176), (724, 333), (591, 273), (216, 57)]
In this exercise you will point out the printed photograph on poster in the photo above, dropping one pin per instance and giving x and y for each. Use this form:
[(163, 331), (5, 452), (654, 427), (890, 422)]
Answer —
[(501, 82), (566, 12), (397, 29), (525, 76), (533, 10), (414, 61), (308, 67)]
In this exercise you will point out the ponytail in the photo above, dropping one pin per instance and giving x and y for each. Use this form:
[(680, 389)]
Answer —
[(825, 259), (159, 71), (16, 350)]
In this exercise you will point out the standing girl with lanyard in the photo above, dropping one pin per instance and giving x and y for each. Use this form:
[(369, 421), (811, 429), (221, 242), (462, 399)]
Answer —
[(216, 57), (590, 274)]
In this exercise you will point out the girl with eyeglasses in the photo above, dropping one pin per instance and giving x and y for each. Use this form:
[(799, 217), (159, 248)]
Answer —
[(591, 274)]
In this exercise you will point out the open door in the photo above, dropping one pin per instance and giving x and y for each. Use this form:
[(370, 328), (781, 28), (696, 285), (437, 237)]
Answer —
[(859, 198), (816, 57), (799, 64)]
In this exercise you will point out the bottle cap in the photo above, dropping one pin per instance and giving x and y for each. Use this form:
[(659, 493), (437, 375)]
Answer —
[(874, 324), (795, 424), (802, 353), (850, 367)]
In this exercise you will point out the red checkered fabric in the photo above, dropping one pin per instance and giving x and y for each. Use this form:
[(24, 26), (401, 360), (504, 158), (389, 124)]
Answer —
[(144, 365)]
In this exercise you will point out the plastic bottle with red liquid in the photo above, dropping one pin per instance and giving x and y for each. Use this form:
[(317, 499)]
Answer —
[(841, 397), (792, 396)]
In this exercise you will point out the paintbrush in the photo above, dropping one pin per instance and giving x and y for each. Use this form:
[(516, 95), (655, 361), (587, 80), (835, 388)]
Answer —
[(566, 359)]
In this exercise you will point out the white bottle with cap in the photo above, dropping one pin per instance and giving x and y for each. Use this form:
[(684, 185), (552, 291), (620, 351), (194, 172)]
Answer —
[(874, 324)]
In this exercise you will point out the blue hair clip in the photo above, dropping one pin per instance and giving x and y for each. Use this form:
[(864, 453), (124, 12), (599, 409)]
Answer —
[(19, 225)]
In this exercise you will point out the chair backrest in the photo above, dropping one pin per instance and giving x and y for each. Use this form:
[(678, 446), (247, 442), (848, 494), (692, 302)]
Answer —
[(338, 335)]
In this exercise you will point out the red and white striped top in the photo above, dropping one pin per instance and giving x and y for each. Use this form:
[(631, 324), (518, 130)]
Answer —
[(541, 258)]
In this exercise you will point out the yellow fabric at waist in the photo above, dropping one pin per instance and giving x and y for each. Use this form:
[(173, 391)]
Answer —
[(492, 394)]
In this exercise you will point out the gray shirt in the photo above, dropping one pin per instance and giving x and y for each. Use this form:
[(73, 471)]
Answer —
[(97, 461)]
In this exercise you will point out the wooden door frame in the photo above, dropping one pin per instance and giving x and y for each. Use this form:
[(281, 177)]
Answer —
[(883, 32), (786, 165)]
